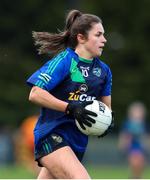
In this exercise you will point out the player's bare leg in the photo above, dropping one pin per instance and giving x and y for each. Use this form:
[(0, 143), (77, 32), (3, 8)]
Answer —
[(63, 164), (44, 174), (137, 162)]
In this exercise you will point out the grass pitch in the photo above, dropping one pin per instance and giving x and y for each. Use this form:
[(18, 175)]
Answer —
[(96, 172)]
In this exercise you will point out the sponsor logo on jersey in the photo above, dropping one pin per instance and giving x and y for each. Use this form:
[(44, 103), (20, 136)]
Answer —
[(97, 72), (77, 96), (83, 88)]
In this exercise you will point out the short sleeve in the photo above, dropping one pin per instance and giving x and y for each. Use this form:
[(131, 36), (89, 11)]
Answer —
[(108, 83), (51, 73)]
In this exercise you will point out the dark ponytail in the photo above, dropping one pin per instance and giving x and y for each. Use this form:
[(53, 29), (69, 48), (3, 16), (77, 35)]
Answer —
[(71, 17), (76, 22), (50, 43)]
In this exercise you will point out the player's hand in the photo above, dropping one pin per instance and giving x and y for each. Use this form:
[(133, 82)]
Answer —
[(78, 111), (109, 128)]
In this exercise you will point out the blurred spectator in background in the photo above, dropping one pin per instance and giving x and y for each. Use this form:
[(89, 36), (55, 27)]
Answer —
[(131, 139), (6, 145), (24, 143)]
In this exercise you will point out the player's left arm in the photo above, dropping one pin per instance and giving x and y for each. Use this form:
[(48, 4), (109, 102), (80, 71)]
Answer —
[(106, 100), (107, 88)]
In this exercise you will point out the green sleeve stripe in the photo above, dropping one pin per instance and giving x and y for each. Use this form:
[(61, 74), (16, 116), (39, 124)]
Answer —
[(39, 83), (46, 146), (42, 78), (53, 64), (49, 146)]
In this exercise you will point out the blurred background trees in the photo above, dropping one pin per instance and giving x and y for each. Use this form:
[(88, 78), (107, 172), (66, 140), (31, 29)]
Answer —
[(127, 28)]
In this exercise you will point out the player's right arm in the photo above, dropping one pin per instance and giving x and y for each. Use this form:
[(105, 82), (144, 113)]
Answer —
[(46, 79), (43, 98)]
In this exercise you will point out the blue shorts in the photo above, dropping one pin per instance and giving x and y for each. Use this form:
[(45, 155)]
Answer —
[(50, 144), (136, 147)]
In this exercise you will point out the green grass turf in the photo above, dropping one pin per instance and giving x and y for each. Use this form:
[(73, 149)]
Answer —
[(15, 172), (116, 172), (96, 172)]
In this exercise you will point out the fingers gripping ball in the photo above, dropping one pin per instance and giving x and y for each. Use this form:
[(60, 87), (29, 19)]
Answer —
[(82, 115), (103, 119)]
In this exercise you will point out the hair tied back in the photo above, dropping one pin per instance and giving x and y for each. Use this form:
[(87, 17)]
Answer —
[(71, 17)]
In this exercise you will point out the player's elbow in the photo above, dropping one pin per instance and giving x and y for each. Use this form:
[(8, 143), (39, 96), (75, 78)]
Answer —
[(33, 94)]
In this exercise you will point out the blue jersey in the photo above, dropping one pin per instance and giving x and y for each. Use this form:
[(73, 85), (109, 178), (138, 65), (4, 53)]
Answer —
[(135, 130), (72, 79)]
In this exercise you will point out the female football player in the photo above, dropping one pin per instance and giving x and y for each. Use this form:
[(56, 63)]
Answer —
[(131, 138), (63, 86)]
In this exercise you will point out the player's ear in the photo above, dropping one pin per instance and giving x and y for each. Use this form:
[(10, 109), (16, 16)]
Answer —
[(81, 38)]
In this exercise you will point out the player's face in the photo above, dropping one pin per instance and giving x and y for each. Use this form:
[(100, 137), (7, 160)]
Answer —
[(95, 41), (137, 113)]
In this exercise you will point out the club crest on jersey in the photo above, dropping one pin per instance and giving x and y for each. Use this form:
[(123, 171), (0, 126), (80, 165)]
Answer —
[(57, 138), (97, 72)]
